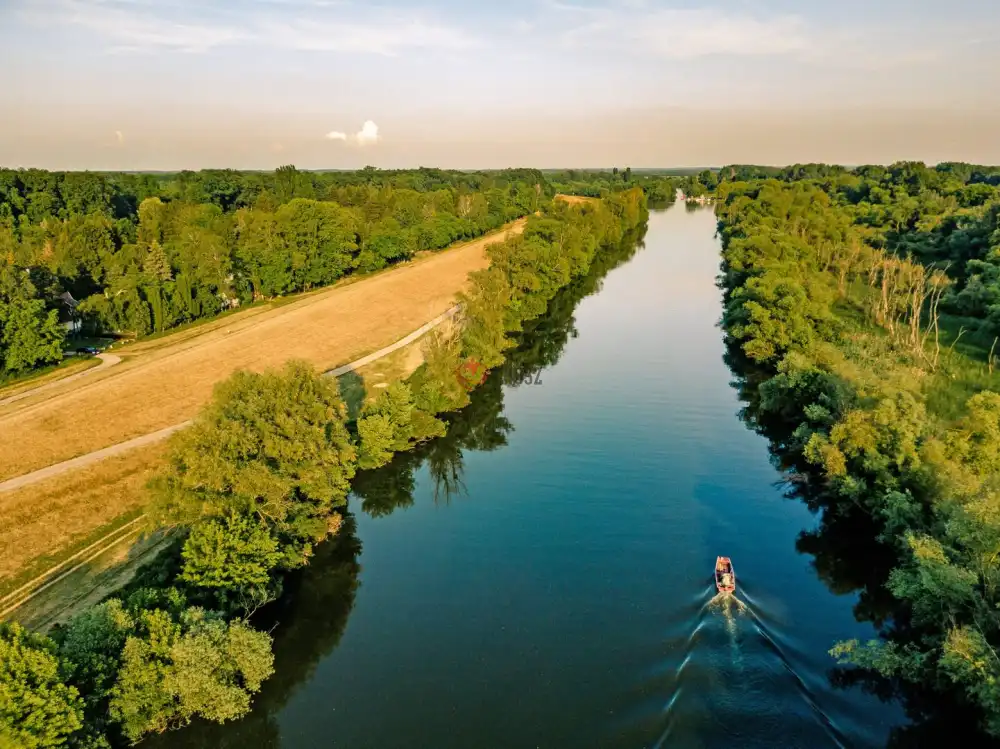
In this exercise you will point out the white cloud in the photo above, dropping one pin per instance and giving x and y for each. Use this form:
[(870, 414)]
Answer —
[(194, 27), (119, 136), (135, 28), (366, 136), (386, 36), (685, 33)]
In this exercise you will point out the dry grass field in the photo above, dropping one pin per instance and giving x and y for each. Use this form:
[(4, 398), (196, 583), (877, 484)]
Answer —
[(88, 585), (67, 369), (40, 521), (576, 199), (166, 380)]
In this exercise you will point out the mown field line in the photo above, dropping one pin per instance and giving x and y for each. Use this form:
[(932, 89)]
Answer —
[(107, 361), (88, 553)]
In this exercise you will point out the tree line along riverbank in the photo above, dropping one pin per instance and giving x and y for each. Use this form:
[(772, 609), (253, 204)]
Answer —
[(140, 254), (864, 306), (252, 488)]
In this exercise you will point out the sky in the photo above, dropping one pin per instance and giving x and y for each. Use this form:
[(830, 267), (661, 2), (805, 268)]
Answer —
[(253, 84)]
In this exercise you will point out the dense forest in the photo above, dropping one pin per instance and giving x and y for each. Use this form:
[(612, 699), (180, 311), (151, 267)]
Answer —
[(865, 306), (253, 489), (133, 254)]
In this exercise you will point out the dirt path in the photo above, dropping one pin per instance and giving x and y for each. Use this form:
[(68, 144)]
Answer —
[(90, 458), (107, 361), (164, 387), (423, 329)]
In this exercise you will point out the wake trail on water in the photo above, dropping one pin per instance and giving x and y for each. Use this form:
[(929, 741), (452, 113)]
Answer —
[(738, 616), (807, 694)]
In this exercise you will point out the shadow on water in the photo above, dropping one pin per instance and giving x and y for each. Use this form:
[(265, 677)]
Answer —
[(849, 559), (309, 619), (307, 623)]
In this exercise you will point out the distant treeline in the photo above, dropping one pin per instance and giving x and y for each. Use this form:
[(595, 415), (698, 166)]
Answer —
[(252, 488), (659, 188), (850, 292), (142, 253)]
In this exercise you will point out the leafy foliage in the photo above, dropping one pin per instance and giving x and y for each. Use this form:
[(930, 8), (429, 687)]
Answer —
[(173, 669), (233, 553), (835, 282), (30, 335), (270, 446), (37, 709)]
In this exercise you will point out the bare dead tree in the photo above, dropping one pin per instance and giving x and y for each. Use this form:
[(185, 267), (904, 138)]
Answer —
[(951, 348), (938, 282), (918, 290)]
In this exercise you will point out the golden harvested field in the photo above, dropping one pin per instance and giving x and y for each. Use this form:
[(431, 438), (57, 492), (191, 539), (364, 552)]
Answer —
[(42, 520), (576, 199), (165, 381)]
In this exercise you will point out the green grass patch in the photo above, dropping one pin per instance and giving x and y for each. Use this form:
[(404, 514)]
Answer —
[(70, 365)]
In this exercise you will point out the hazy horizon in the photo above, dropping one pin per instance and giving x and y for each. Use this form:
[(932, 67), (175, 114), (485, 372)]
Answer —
[(330, 84)]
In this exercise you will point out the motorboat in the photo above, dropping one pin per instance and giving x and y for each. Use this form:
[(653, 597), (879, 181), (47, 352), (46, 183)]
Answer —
[(725, 576)]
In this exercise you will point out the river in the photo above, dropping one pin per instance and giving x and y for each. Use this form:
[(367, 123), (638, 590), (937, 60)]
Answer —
[(541, 577)]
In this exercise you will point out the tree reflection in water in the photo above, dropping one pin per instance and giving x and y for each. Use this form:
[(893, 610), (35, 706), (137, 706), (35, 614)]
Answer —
[(481, 426)]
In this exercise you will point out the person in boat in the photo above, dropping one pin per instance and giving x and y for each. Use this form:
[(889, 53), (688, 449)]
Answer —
[(727, 580)]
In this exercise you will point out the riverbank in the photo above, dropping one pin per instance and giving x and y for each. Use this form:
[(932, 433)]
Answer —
[(55, 572), (878, 420), (191, 500)]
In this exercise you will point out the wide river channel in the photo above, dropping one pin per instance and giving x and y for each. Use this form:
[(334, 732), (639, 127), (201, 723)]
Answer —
[(542, 576)]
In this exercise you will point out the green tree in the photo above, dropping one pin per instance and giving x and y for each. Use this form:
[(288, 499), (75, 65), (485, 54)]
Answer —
[(30, 334), (175, 669), (235, 554), (37, 708), (391, 423), (91, 645), (271, 446)]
